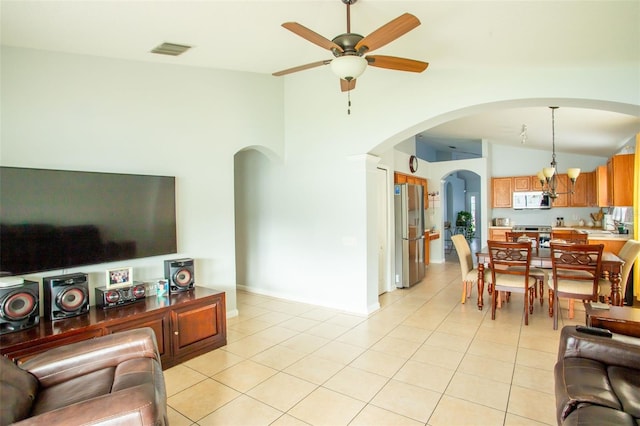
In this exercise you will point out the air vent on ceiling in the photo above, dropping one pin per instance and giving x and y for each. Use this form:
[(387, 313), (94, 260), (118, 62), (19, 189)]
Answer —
[(172, 49)]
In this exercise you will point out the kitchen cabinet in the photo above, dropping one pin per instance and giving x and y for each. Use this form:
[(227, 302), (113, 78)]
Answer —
[(502, 192), (535, 183), (620, 180), (614, 246), (498, 233), (562, 185), (414, 180), (581, 190), (521, 183), (186, 324), (600, 186)]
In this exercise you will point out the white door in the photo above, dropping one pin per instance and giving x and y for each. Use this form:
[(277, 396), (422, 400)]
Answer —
[(383, 229)]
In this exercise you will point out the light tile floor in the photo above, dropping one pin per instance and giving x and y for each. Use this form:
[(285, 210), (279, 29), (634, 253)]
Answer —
[(424, 358)]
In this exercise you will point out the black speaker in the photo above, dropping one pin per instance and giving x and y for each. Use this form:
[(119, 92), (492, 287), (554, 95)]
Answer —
[(112, 297), (66, 296), (180, 274), (19, 306)]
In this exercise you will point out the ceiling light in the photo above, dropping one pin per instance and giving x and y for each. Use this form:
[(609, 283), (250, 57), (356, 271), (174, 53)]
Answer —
[(348, 67), (548, 175)]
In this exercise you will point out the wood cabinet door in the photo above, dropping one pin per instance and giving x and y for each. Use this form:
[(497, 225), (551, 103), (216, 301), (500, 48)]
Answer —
[(196, 326), (158, 321), (535, 183), (601, 186), (501, 191), (562, 186), (521, 183), (498, 234), (580, 196), (620, 180)]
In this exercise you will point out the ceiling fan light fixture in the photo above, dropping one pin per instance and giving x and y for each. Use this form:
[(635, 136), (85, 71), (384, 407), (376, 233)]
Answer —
[(348, 67)]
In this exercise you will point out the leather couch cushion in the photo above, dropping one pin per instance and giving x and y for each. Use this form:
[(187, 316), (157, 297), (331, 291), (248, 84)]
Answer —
[(75, 390), (17, 392), (594, 415), (582, 380), (626, 385)]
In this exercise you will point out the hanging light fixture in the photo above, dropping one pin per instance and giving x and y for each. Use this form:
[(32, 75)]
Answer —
[(548, 176)]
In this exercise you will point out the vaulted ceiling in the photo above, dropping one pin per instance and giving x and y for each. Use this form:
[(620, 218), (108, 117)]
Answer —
[(247, 36)]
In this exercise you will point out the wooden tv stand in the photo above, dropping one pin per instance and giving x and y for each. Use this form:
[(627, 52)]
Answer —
[(186, 324)]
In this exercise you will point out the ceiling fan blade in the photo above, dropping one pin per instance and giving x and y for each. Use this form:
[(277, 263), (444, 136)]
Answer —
[(302, 67), (388, 32), (311, 36), (345, 85), (395, 63)]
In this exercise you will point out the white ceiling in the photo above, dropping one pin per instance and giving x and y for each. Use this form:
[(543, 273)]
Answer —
[(247, 36)]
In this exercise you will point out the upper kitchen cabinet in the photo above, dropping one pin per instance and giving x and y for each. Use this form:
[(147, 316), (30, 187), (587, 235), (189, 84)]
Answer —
[(620, 180), (562, 186), (582, 191), (414, 180), (600, 186), (521, 183), (501, 190)]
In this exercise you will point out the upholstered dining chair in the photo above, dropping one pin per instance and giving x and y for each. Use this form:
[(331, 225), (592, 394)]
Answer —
[(509, 264), (629, 253), (468, 271), (576, 274), (540, 275)]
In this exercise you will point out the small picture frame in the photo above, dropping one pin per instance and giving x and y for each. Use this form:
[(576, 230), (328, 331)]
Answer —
[(121, 277)]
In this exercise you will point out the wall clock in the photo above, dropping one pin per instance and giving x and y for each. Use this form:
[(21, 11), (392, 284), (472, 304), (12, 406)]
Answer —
[(413, 164)]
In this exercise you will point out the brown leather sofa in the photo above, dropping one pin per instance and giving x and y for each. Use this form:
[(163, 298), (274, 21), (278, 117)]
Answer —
[(597, 379), (110, 380)]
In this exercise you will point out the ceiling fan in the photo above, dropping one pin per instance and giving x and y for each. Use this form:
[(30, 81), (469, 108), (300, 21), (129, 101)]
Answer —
[(349, 49)]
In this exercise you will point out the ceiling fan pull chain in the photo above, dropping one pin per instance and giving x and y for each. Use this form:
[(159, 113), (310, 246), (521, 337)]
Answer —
[(349, 102)]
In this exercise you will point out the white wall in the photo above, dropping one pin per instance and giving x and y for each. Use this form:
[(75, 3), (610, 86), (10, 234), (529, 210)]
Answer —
[(86, 113), (316, 244)]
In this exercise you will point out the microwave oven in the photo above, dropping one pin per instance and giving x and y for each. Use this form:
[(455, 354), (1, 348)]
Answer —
[(531, 200)]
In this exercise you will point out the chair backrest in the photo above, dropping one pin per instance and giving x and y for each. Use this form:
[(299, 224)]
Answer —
[(577, 262), (464, 253), (532, 237), (569, 237), (629, 253), (505, 255)]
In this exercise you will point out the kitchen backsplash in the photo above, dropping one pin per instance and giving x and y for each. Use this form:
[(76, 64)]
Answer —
[(571, 216)]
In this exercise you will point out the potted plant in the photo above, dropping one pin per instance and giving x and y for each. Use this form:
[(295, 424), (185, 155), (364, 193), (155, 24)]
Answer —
[(465, 219)]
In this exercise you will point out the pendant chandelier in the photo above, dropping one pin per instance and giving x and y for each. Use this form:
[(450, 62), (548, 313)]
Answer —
[(548, 176)]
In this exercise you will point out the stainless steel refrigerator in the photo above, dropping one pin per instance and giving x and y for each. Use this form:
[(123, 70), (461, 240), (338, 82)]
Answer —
[(409, 216)]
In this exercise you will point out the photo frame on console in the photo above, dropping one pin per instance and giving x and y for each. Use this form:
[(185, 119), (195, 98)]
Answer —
[(120, 277)]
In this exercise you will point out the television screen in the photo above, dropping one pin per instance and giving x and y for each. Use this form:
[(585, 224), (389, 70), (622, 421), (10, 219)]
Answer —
[(55, 219)]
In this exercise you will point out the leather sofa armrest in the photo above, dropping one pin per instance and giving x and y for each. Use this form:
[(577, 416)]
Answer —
[(77, 359), (617, 350), (138, 405)]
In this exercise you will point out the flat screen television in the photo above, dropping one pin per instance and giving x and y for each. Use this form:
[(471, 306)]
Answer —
[(57, 219)]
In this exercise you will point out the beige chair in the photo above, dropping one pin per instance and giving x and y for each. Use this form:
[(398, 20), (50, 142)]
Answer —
[(576, 274), (629, 253), (510, 273), (540, 275), (468, 271)]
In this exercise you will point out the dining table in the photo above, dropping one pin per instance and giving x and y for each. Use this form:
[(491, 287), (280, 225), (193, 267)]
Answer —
[(541, 258)]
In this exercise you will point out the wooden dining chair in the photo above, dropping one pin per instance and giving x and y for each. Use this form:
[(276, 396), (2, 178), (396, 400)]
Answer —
[(468, 271), (540, 275), (629, 253), (569, 237), (509, 264), (576, 270)]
